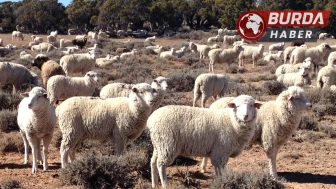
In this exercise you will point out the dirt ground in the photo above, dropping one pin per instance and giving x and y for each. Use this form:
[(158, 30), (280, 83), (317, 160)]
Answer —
[(306, 165)]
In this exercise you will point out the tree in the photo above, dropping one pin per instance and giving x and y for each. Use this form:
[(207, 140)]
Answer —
[(7, 17), (331, 6)]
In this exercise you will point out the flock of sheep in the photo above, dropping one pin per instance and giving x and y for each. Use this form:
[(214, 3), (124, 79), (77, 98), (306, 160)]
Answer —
[(124, 110)]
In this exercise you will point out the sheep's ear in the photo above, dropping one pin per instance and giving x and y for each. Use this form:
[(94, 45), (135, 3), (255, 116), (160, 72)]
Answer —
[(155, 81), (135, 90), (45, 95), (289, 98), (257, 105), (25, 94), (232, 105), (154, 90)]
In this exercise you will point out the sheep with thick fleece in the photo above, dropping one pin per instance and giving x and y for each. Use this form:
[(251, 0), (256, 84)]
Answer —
[(229, 40), (251, 52), (292, 68), (43, 47), (300, 78), (161, 86), (224, 55), (26, 57), (315, 53), (210, 85), (17, 75), (273, 57), (36, 119), (203, 50), (288, 51), (119, 119), (60, 87), (107, 62), (276, 47), (78, 63), (327, 75), (65, 43), (325, 57), (213, 39), (114, 90), (125, 55), (191, 131), (168, 54), (48, 68)]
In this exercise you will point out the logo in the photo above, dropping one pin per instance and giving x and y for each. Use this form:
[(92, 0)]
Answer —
[(285, 26)]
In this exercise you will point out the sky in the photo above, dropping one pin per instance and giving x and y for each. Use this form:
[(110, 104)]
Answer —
[(64, 2)]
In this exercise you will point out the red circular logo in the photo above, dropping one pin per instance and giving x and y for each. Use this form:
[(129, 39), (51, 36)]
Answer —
[(251, 26)]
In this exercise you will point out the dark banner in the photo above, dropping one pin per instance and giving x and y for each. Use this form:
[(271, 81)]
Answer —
[(290, 35)]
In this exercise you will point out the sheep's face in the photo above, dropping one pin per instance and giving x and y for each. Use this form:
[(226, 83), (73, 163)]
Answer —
[(143, 93), (160, 82), (244, 107), (39, 60), (37, 98), (297, 99), (304, 71), (93, 76)]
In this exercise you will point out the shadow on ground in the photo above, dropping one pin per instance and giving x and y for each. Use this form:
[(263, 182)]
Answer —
[(308, 177)]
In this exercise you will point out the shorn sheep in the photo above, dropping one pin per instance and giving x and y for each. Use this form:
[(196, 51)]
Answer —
[(36, 119), (276, 121), (315, 53), (119, 119), (60, 87), (224, 55), (327, 75), (251, 52), (300, 78), (16, 75), (17, 35), (189, 131), (203, 50), (78, 63), (209, 85), (48, 68)]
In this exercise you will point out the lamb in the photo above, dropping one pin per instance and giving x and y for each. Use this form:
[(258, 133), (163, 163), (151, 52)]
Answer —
[(327, 75), (78, 63), (189, 131), (80, 41), (107, 61), (37, 39), (224, 55), (315, 53), (120, 119), (300, 78), (125, 55), (203, 50), (276, 47), (292, 68), (277, 120), (254, 53), (36, 119), (213, 39), (275, 57), (48, 68), (323, 36), (207, 85), (168, 54), (26, 57), (17, 75), (150, 39), (229, 40), (65, 43), (17, 35), (60, 87)]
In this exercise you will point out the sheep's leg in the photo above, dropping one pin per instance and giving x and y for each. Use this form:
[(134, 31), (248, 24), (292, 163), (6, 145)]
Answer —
[(120, 145), (154, 169), (204, 164), (39, 156), (204, 99), (196, 97), (26, 146), (46, 142), (271, 155), (218, 160), (33, 144), (163, 175), (65, 149)]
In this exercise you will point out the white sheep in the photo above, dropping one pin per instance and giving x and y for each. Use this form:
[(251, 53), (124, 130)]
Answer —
[(37, 39), (300, 78), (17, 35), (107, 61), (213, 39), (114, 90), (43, 47), (251, 52), (220, 32), (273, 57), (292, 68), (327, 75), (119, 119), (95, 47), (229, 40), (210, 85), (159, 50), (92, 35), (30, 44), (190, 131), (161, 86), (60, 87), (128, 54), (315, 53), (36, 119), (65, 43), (17, 75), (180, 52), (153, 47), (288, 51), (150, 39), (203, 50), (78, 63), (224, 55), (26, 57), (276, 47), (102, 34), (230, 32), (168, 54), (51, 39), (323, 36)]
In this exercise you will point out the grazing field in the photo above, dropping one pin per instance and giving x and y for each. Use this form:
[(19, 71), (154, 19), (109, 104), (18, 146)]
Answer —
[(306, 161)]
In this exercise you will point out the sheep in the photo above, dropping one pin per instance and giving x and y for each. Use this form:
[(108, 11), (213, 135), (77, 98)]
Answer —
[(254, 53), (78, 63), (297, 43), (153, 47), (16, 75), (72, 48), (1, 42), (68, 51), (102, 34), (300, 78), (168, 54), (292, 68), (65, 43), (54, 33), (179, 53), (325, 57), (5, 50), (36, 119), (17, 35), (150, 39), (213, 39), (220, 32), (60, 87), (37, 39), (120, 50), (323, 36), (92, 35), (121, 33), (275, 57), (214, 46), (51, 39), (26, 57), (95, 46), (276, 47), (120, 119), (43, 47), (224, 55), (207, 85), (242, 42), (80, 41), (288, 51), (230, 32), (315, 53), (229, 40), (189, 131), (125, 55), (107, 61), (203, 50), (114, 90), (327, 75), (161, 86), (48, 68), (30, 44)]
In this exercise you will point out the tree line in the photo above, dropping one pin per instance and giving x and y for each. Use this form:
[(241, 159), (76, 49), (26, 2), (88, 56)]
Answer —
[(40, 16)]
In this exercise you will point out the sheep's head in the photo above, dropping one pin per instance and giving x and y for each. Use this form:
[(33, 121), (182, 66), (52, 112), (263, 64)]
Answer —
[(39, 60), (92, 54), (304, 71), (37, 98), (239, 48), (143, 93), (295, 99), (93, 76), (160, 82), (244, 107)]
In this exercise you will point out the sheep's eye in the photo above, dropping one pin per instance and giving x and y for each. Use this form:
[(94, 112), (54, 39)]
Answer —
[(141, 92)]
